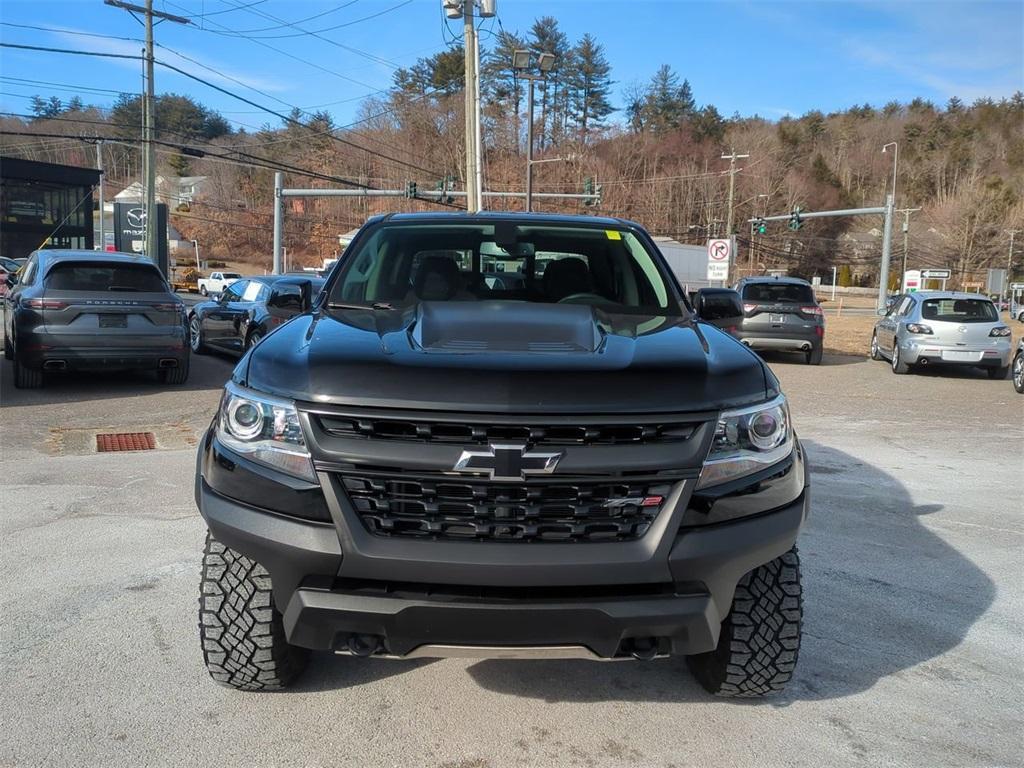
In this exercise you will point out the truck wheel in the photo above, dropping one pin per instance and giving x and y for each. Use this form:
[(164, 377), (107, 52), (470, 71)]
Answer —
[(242, 633), (1018, 372), (898, 366), (813, 355), (760, 640), (203, 291), (8, 349)]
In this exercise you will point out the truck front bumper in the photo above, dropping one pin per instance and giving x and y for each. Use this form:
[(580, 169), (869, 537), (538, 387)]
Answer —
[(580, 614)]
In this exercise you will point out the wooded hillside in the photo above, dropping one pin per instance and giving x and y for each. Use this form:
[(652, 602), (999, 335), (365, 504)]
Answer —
[(654, 148)]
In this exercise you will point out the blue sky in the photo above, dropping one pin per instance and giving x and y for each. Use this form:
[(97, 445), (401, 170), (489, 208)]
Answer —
[(769, 58)]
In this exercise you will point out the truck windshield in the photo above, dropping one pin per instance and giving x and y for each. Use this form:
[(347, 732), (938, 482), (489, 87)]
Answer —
[(399, 265)]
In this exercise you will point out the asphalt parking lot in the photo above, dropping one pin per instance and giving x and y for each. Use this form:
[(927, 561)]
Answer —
[(912, 651)]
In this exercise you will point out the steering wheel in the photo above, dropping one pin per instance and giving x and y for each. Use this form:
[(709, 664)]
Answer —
[(582, 298)]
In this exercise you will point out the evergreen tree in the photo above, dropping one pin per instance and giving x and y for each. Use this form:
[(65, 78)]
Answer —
[(592, 85), (546, 37)]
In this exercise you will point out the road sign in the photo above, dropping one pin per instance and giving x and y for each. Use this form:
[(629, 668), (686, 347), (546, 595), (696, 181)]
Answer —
[(936, 274), (719, 251), (1017, 286), (911, 280), (719, 255)]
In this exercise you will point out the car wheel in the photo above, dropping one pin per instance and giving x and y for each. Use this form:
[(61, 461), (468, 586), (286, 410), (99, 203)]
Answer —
[(876, 353), (242, 631), (898, 366), (254, 339), (8, 349), (998, 373), (174, 376), (26, 378), (760, 638), (813, 355), (1018, 372), (203, 291), (195, 335)]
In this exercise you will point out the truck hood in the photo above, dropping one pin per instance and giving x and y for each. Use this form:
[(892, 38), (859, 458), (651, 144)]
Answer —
[(501, 357)]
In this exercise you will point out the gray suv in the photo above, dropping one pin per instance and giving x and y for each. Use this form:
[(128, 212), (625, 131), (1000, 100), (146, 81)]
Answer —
[(781, 313)]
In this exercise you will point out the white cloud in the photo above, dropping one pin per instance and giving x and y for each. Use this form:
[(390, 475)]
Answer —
[(227, 78)]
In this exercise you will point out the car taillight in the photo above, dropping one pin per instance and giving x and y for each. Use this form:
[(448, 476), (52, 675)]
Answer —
[(999, 330), (812, 310), (918, 328), (45, 304)]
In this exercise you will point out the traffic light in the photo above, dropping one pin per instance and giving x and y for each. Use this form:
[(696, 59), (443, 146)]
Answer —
[(410, 189), (597, 191), (795, 222), (760, 226), (588, 189)]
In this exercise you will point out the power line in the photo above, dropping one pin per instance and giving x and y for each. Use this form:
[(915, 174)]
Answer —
[(71, 32), (249, 33)]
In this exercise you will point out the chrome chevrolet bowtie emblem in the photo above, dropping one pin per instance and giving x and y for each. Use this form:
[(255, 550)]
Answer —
[(507, 462)]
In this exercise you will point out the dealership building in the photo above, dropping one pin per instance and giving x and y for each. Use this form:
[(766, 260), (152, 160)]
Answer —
[(44, 204)]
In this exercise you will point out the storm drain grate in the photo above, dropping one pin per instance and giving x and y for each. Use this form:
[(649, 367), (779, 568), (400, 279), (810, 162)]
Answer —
[(125, 441)]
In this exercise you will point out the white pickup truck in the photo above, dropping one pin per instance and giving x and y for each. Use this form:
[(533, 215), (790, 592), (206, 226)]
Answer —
[(216, 282)]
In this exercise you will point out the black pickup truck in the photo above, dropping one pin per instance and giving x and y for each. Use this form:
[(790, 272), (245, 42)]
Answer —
[(568, 463)]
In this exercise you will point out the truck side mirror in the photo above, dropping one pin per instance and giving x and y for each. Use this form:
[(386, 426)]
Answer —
[(290, 297)]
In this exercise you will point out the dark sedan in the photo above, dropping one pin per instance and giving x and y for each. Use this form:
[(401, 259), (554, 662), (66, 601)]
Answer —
[(85, 310), (238, 318)]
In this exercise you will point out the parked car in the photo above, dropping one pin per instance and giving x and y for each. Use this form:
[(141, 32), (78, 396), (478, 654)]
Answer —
[(781, 314), (216, 282), (87, 310), (1018, 368), (7, 267), (420, 465), (943, 327), (238, 318), (720, 307)]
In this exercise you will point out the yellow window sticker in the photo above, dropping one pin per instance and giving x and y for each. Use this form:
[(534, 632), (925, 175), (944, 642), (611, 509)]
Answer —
[(613, 234)]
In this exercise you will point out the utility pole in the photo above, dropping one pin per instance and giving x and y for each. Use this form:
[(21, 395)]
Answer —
[(906, 233), (152, 242), (732, 157), (1009, 260), (99, 166), (472, 157)]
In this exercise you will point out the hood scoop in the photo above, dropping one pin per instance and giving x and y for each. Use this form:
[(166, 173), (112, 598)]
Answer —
[(466, 327)]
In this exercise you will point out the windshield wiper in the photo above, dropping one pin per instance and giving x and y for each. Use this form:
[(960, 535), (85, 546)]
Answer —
[(381, 305)]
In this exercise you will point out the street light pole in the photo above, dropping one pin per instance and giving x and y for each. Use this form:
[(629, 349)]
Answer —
[(895, 164), (529, 145), (1009, 261)]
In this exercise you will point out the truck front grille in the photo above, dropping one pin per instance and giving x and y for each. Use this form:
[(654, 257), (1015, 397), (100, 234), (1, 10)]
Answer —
[(536, 434), (458, 509)]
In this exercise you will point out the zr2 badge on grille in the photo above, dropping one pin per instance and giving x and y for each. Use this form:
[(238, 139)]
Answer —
[(507, 462)]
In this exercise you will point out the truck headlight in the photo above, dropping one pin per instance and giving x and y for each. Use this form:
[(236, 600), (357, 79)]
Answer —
[(748, 440), (264, 429)]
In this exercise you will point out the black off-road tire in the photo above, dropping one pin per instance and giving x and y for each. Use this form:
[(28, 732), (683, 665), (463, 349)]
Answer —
[(241, 630), (760, 640)]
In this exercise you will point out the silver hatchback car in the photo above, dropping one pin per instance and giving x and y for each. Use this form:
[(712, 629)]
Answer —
[(943, 327)]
